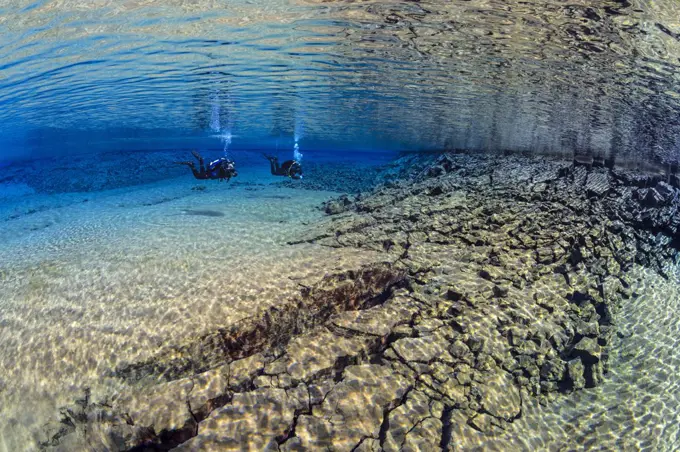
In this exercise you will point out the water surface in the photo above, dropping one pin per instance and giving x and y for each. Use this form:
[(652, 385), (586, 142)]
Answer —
[(538, 76)]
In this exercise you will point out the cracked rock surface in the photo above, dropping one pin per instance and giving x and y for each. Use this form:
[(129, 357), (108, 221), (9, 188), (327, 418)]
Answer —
[(500, 282)]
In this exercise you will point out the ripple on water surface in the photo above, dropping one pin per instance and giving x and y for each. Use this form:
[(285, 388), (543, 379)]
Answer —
[(544, 76)]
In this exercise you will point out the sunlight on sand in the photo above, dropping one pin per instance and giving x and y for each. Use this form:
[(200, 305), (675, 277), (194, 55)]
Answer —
[(113, 279)]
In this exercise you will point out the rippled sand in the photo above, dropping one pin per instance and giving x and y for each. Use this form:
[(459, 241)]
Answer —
[(90, 285)]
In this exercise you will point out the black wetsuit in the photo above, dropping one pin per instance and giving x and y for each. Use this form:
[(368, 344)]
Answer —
[(290, 168), (222, 169)]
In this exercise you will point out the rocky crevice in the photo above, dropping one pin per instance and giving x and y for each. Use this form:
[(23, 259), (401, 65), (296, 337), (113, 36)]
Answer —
[(565, 239), (244, 344), (272, 329)]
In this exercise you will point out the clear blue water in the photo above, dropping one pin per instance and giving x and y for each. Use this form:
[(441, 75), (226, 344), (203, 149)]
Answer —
[(537, 76), (110, 251)]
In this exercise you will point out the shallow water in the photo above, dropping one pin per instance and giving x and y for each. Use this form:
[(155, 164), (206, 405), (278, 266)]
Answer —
[(141, 306)]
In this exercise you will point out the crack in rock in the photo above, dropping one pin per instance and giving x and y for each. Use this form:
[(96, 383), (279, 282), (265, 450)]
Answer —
[(496, 292)]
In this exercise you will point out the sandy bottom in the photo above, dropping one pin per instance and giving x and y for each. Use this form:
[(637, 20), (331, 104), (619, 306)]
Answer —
[(91, 281)]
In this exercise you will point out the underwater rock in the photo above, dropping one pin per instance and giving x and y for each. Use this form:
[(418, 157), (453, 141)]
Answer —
[(553, 370), (576, 373), (658, 196), (252, 421), (650, 197), (666, 192), (422, 349), (588, 350), (499, 397), (607, 254), (415, 425), (488, 293), (379, 321), (337, 206), (271, 328), (309, 357), (192, 395), (597, 184), (436, 171)]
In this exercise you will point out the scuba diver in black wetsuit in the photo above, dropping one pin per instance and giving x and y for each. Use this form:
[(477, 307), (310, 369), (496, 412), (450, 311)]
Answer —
[(222, 169), (290, 168)]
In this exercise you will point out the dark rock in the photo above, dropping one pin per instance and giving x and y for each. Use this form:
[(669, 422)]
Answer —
[(675, 181), (337, 206), (476, 343), (455, 310), (553, 370), (594, 374), (588, 350), (447, 163), (545, 255), (459, 349), (576, 371), (436, 171), (454, 295), (549, 386), (485, 274), (517, 335), (651, 197), (616, 226), (500, 291), (666, 191), (597, 184), (436, 190)]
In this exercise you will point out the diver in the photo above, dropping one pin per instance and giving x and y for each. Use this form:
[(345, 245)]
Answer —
[(222, 168), (290, 168)]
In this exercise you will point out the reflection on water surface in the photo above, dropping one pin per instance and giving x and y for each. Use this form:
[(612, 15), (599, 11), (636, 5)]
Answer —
[(543, 76)]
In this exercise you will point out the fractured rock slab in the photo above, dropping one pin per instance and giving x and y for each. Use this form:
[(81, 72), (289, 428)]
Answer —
[(252, 421), (415, 425), (504, 292), (355, 407), (597, 184), (378, 321), (316, 355), (422, 349), (500, 397)]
